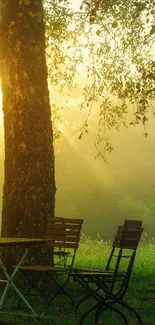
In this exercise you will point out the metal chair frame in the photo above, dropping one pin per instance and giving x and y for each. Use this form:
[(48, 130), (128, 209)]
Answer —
[(65, 233), (105, 293)]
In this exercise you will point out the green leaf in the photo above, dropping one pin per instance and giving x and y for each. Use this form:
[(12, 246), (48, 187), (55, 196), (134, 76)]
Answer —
[(151, 76), (145, 119), (152, 31), (141, 101), (138, 117), (98, 32), (86, 3)]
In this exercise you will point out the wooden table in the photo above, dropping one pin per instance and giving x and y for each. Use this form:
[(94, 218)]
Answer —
[(26, 242)]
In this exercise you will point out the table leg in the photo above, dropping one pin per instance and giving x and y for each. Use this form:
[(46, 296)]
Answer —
[(10, 283)]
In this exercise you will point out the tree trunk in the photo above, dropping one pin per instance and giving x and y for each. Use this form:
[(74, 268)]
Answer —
[(29, 183)]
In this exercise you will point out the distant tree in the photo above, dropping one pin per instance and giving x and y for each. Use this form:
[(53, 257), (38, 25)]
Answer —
[(29, 183)]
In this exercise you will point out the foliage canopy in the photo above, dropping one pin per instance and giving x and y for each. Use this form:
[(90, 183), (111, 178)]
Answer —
[(112, 42)]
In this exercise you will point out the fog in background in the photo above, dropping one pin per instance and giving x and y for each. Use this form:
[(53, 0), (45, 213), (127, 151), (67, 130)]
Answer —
[(102, 194)]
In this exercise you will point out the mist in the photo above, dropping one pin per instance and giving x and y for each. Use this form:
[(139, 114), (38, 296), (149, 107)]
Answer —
[(103, 194)]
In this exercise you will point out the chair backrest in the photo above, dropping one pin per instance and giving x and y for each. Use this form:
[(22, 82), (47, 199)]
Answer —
[(124, 248), (133, 225), (65, 233), (127, 238)]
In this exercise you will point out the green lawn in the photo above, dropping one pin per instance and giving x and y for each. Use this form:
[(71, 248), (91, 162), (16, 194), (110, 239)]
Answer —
[(141, 292)]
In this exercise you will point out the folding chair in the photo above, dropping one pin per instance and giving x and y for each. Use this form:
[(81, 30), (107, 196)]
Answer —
[(112, 283), (55, 257), (128, 225)]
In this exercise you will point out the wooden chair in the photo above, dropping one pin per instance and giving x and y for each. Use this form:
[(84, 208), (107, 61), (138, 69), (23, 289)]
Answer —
[(57, 258), (109, 286)]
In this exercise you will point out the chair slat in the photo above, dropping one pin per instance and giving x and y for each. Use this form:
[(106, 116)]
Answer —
[(127, 238), (63, 238), (128, 243), (120, 229), (130, 224), (64, 226), (65, 220), (65, 232), (62, 244), (128, 233), (50, 232), (131, 233)]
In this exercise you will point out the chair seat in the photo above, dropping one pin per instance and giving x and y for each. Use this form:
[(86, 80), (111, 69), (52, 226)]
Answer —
[(43, 268), (79, 270), (93, 272)]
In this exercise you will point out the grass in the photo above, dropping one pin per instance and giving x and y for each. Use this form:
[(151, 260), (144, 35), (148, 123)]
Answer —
[(94, 254)]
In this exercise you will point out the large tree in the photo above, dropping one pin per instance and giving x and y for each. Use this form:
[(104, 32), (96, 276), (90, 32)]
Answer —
[(29, 183)]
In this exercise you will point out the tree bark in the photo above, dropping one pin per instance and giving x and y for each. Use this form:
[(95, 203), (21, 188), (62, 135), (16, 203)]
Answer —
[(29, 182)]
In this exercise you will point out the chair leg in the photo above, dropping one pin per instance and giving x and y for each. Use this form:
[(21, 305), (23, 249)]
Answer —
[(85, 298), (132, 310), (98, 313), (61, 288), (101, 309), (88, 312), (80, 302), (32, 285)]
